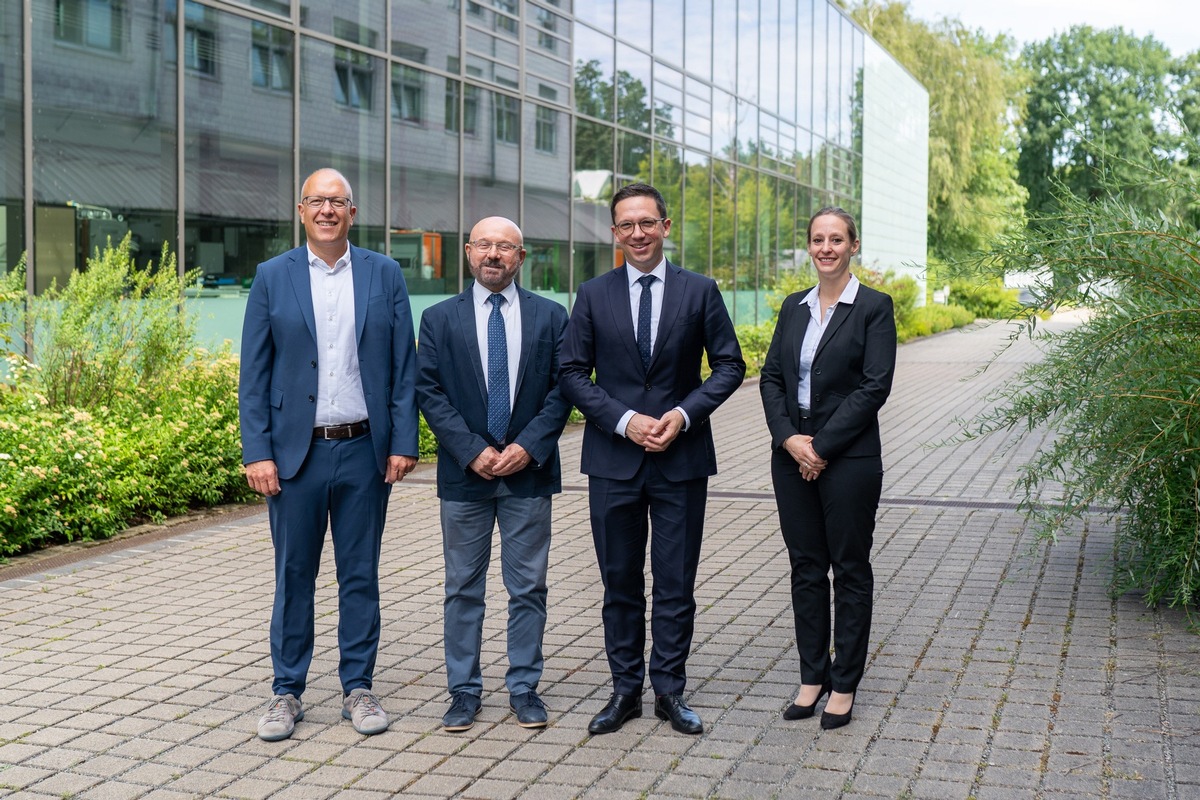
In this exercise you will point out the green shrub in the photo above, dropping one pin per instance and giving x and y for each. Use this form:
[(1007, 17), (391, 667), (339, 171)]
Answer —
[(1121, 389), (933, 318), (988, 299)]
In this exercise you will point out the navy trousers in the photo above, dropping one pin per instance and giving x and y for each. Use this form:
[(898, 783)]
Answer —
[(338, 488), (670, 514)]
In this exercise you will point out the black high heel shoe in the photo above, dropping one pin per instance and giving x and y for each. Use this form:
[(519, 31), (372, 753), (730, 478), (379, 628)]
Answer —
[(830, 722), (794, 711)]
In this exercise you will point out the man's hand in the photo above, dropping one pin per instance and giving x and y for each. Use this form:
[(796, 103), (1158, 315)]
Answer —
[(664, 431), (398, 467), (263, 477), (512, 459), (484, 464), (639, 428)]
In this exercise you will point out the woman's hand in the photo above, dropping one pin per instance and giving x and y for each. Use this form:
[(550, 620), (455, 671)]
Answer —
[(800, 448)]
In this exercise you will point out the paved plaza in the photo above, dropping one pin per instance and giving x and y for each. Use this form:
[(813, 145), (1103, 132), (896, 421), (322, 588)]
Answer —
[(999, 667)]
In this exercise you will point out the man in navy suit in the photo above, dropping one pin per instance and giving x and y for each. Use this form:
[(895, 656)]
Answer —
[(328, 410), (488, 386), (648, 448)]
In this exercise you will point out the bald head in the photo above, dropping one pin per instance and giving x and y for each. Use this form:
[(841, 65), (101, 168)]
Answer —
[(492, 267)]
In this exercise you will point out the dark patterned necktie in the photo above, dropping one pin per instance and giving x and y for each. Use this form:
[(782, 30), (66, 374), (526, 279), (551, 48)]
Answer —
[(498, 411), (643, 329)]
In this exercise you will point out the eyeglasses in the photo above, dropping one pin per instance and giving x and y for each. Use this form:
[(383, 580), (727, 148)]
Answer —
[(647, 225), (505, 248), (315, 201)]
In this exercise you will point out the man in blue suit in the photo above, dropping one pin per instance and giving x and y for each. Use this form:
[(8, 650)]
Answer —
[(488, 386), (329, 422), (648, 448)]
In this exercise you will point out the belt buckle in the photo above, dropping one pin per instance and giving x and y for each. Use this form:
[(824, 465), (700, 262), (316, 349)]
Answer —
[(337, 431)]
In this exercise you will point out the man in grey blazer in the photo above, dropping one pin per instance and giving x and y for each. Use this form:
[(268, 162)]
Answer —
[(488, 386), (328, 411)]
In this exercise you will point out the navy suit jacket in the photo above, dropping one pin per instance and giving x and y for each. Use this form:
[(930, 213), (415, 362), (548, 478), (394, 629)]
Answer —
[(851, 374), (452, 393), (277, 390), (601, 336)]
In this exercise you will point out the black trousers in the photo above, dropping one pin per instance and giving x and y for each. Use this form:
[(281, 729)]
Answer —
[(670, 514), (829, 523)]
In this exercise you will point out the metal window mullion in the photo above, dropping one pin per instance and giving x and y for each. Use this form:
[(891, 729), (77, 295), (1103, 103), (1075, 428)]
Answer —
[(297, 80), (180, 141), (388, 98), (27, 147)]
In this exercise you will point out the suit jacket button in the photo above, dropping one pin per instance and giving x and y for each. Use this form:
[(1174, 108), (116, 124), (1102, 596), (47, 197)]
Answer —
[(313, 364), (311, 399), (648, 387)]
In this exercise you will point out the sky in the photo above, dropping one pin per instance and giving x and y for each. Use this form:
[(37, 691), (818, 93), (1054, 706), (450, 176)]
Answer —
[(1175, 23)]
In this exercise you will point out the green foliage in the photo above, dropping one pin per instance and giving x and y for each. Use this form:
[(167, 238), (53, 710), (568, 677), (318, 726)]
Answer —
[(974, 94), (113, 328), (1094, 97), (119, 419), (988, 299), (755, 339), (933, 318), (1122, 389), (426, 441)]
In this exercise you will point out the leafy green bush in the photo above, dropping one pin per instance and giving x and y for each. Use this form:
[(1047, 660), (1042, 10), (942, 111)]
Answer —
[(1121, 389), (989, 299)]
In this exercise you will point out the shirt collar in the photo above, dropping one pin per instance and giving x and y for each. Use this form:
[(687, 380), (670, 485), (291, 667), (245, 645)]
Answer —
[(481, 293), (848, 295), (634, 274), (316, 261)]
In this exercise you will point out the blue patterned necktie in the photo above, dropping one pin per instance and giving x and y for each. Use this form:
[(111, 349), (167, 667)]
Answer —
[(498, 411), (643, 329)]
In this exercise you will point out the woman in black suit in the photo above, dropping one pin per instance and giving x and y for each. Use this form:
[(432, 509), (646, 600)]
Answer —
[(827, 374)]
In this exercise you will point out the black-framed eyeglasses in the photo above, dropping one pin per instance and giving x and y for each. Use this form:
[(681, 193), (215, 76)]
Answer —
[(484, 246), (647, 225), (315, 201)]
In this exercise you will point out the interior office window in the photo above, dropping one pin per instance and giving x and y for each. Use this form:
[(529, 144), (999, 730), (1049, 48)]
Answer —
[(547, 23), (354, 78), (90, 23), (546, 130), (408, 93), (469, 123), (199, 38), (503, 23), (271, 57), (508, 118)]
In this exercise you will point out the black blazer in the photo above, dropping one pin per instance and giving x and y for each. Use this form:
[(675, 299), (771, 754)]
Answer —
[(851, 374), (452, 393), (601, 338)]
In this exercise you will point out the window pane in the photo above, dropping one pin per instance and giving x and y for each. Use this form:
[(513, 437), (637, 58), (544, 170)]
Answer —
[(240, 198), (724, 53), (594, 72), (696, 220), (634, 20), (592, 191), (342, 126), (633, 88), (358, 21), (101, 168), (697, 42), (547, 202), (668, 31)]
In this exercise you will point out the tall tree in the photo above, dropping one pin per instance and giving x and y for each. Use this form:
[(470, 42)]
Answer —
[(1095, 98), (974, 98)]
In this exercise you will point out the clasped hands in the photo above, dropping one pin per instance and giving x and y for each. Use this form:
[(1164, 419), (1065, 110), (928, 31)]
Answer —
[(800, 448), (655, 435), (493, 463)]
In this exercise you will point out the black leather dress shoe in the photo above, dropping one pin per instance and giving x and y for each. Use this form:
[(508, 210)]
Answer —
[(683, 719), (620, 707)]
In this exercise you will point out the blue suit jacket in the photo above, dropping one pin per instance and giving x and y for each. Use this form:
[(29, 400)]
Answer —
[(851, 374), (601, 337), (278, 387), (452, 393)]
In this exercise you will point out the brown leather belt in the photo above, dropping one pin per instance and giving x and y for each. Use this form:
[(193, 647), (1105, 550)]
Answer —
[(348, 431)]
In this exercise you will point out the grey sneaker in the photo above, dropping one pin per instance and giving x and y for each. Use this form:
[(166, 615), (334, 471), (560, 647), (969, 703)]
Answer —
[(280, 717), (464, 708), (362, 708)]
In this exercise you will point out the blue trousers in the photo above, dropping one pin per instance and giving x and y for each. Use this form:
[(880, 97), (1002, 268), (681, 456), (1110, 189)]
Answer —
[(524, 554), (338, 488)]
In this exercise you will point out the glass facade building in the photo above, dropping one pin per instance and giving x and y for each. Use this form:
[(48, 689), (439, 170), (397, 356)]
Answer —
[(192, 123)]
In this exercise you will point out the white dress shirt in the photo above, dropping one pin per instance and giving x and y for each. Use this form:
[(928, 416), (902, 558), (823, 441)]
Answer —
[(814, 332), (340, 398), (510, 310)]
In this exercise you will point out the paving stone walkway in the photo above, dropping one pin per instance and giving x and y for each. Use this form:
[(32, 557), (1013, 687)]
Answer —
[(999, 667)]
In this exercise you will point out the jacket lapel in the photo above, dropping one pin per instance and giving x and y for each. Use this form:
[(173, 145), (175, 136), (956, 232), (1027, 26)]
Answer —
[(465, 308), (674, 287), (363, 273), (528, 343), (618, 304), (302, 286)]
